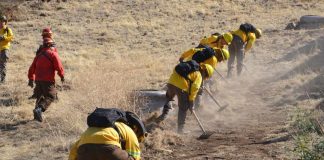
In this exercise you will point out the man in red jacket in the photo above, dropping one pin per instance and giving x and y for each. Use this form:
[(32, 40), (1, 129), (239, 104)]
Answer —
[(42, 72)]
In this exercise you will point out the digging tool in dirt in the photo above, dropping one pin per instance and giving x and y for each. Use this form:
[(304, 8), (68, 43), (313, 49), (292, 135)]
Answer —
[(221, 76), (205, 134), (246, 68), (221, 108)]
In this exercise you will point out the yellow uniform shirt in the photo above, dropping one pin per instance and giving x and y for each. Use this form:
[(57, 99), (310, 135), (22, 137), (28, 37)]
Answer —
[(210, 41), (182, 83), (187, 56), (8, 37), (96, 135), (248, 39)]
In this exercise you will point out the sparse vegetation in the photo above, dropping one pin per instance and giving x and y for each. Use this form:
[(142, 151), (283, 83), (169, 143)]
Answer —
[(309, 140)]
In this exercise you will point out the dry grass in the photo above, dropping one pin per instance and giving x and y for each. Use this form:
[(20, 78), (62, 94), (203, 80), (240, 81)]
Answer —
[(110, 48)]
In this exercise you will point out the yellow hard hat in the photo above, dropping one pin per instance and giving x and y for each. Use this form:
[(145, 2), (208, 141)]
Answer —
[(258, 33), (228, 37), (209, 69)]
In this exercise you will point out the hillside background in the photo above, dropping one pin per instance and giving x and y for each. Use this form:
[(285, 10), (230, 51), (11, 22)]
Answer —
[(110, 48)]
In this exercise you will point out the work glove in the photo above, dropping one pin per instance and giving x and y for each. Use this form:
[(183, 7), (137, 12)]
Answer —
[(62, 79), (191, 106), (2, 38), (31, 83)]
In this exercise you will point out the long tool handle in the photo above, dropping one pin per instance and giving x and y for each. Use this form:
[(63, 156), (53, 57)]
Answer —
[(212, 96), (221, 76), (200, 125)]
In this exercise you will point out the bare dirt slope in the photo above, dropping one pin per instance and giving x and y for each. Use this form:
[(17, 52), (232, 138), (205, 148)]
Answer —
[(112, 47)]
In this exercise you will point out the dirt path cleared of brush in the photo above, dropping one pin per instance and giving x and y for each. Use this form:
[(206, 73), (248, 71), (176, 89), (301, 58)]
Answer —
[(255, 112), (248, 121)]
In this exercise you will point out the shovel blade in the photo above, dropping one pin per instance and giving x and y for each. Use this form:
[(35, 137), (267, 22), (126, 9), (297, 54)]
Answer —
[(205, 135)]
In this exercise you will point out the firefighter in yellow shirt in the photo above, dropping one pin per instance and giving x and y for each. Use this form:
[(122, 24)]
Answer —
[(120, 142), (6, 36), (185, 86), (206, 55), (216, 40), (243, 40)]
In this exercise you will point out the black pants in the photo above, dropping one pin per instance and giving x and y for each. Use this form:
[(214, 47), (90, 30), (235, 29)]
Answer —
[(236, 49), (183, 103), (3, 62)]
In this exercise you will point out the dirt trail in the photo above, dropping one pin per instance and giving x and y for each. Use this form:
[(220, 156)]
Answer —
[(94, 37), (260, 106), (247, 120)]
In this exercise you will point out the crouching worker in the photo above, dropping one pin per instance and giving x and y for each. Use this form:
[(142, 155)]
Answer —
[(112, 135), (184, 83)]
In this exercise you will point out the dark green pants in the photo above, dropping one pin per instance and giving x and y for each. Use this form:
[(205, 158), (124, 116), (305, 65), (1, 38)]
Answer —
[(3, 62), (183, 103), (236, 49), (45, 93), (102, 152)]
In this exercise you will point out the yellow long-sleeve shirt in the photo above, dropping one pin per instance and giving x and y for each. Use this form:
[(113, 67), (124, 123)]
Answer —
[(186, 56), (182, 83), (210, 41), (248, 39), (8, 37), (96, 135)]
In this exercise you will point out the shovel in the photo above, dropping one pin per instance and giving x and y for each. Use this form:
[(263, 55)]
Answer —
[(206, 134), (221, 108), (221, 76)]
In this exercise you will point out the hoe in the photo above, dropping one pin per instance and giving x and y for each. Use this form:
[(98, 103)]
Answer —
[(221, 108), (206, 134)]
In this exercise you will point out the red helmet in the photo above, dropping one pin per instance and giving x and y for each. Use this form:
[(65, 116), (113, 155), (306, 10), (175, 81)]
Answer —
[(48, 40), (47, 32)]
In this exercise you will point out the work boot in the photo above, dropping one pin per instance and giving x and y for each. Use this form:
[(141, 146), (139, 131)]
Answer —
[(180, 129), (2, 80), (38, 114)]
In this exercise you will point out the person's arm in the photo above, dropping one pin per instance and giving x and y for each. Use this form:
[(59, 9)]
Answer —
[(196, 79), (187, 54), (58, 65), (250, 42), (8, 37), (132, 144), (211, 61), (73, 151), (31, 71)]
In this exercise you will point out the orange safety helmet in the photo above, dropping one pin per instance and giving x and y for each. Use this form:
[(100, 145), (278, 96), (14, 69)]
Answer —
[(47, 32)]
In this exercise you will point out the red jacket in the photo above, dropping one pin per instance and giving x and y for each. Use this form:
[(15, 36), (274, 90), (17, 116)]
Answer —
[(45, 64)]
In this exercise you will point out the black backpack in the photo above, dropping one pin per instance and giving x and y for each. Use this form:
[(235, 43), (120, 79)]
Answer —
[(201, 56), (247, 27), (184, 68), (216, 34), (106, 117)]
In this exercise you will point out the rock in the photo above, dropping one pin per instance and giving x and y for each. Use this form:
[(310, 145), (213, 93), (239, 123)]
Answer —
[(311, 19), (290, 26)]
